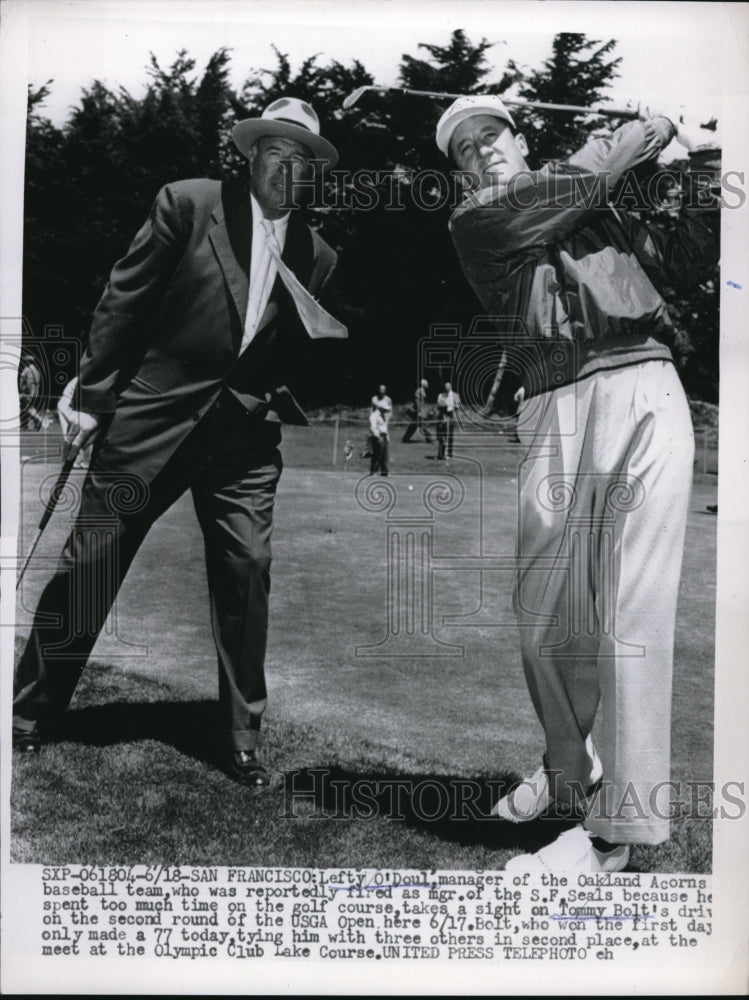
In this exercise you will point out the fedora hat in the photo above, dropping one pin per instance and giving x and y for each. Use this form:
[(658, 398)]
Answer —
[(289, 118)]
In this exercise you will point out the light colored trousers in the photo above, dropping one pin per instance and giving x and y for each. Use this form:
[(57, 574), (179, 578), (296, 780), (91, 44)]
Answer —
[(604, 494)]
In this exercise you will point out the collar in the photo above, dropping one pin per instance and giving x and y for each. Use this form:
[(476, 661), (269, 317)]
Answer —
[(279, 225)]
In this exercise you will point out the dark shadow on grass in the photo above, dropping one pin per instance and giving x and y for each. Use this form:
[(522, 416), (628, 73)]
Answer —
[(454, 809), (188, 726)]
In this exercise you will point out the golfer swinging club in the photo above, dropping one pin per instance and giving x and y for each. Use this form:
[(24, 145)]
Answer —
[(605, 484)]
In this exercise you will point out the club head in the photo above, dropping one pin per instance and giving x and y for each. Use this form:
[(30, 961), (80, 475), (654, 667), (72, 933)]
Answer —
[(350, 100)]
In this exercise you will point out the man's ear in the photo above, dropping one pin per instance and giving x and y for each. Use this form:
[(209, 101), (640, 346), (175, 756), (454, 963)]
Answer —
[(522, 144)]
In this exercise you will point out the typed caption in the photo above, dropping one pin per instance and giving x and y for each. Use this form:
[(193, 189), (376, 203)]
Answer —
[(266, 914)]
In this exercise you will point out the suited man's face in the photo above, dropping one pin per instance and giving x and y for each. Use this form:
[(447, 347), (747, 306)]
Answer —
[(276, 166)]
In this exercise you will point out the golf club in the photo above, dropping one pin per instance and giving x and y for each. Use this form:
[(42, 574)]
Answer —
[(356, 95), (513, 102), (69, 457)]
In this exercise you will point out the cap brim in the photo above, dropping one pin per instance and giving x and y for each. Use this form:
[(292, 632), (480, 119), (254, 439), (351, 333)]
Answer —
[(246, 133)]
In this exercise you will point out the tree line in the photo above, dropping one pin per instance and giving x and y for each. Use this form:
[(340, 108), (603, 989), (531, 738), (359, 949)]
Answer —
[(89, 185)]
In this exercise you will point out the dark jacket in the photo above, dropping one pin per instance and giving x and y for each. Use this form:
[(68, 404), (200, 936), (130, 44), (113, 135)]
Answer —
[(165, 336), (571, 279)]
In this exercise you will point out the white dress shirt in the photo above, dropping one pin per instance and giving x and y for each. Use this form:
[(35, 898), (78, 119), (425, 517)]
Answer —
[(263, 269)]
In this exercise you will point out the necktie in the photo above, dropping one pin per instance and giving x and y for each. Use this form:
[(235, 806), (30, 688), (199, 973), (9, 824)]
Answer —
[(260, 286), (317, 322)]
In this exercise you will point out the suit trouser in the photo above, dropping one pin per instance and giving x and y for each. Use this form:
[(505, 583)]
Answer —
[(232, 465), (445, 434), (419, 424), (604, 495)]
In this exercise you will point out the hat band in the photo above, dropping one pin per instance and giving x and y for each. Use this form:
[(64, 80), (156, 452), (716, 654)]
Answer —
[(291, 121)]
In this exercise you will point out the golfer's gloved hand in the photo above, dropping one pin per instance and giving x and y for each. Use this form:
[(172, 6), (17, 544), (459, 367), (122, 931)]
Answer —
[(694, 134), (687, 131), (690, 133)]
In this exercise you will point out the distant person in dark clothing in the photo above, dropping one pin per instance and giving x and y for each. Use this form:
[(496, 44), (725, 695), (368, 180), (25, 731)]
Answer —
[(30, 394), (417, 414)]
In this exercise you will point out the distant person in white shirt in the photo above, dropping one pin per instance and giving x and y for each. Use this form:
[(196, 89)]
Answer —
[(382, 401), (379, 440), (447, 406)]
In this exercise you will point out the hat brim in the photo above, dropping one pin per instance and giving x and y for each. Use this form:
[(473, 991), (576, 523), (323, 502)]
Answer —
[(246, 133)]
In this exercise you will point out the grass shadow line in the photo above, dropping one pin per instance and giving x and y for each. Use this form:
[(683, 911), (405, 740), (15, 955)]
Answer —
[(452, 808)]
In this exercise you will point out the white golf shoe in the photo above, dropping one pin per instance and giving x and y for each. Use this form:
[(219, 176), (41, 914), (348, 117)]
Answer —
[(573, 851), (532, 797)]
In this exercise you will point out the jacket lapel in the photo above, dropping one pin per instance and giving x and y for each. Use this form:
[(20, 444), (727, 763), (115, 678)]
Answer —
[(297, 252), (231, 239)]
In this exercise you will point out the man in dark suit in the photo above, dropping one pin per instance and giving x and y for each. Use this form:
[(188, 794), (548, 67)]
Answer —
[(184, 384)]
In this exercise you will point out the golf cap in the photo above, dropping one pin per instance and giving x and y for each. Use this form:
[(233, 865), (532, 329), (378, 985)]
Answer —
[(467, 107), (288, 118)]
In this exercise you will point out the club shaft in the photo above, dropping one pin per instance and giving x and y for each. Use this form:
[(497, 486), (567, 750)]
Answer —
[(489, 404), (27, 560), (510, 101), (70, 456)]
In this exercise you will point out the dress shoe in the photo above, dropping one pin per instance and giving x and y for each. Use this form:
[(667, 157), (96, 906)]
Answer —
[(245, 768), (27, 741)]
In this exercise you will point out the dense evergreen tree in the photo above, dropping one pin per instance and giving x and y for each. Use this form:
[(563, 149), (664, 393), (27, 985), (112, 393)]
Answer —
[(578, 72)]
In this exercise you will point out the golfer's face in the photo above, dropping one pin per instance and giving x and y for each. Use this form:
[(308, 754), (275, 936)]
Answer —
[(276, 165), (486, 147)]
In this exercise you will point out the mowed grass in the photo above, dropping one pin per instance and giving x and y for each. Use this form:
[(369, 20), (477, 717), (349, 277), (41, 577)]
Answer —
[(134, 774)]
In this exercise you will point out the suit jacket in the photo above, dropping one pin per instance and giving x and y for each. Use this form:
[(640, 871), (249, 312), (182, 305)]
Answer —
[(166, 333)]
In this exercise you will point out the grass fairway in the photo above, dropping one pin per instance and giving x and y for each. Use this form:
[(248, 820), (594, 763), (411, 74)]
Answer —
[(132, 776)]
